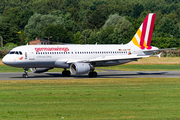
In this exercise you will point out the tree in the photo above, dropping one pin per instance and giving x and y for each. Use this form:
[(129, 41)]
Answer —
[(74, 10), (58, 32), (40, 6), (76, 38), (85, 36), (161, 42), (38, 22), (12, 22), (124, 31), (137, 9), (97, 19), (168, 28), (70, 25), (112, 20)]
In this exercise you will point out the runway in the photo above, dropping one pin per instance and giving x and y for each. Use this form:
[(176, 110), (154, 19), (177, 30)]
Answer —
[(104, 74)]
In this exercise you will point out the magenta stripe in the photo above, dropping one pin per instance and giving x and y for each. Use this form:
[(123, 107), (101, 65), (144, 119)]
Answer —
[(143, 31), (151, 30)]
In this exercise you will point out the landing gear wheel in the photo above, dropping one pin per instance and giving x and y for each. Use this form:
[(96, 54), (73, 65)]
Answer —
[(92, 74), (25, 75), (66, 73)]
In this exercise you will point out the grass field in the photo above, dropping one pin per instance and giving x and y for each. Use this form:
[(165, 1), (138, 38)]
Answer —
[(99, 99)]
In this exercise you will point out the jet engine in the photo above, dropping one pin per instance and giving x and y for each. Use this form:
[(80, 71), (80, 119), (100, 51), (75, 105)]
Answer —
[(39, 70), (80, 68)]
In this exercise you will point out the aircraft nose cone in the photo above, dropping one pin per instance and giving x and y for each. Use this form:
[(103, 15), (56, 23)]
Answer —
[(4, 60), (7, 60)]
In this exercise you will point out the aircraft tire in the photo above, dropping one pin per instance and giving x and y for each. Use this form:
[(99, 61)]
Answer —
[(66, 73), (24, 76), (92, 74)]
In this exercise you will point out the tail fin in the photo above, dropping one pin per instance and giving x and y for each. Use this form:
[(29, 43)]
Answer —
[(143, 36)]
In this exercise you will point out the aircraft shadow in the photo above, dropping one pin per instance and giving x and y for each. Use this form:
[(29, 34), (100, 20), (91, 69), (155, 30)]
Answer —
[(100, 75), (126, 75)]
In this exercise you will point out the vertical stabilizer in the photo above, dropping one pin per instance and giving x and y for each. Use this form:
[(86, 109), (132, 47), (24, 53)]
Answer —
[(143, 36)]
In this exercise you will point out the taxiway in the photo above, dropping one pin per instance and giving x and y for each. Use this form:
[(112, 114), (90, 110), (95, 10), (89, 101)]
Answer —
[(104, 74)]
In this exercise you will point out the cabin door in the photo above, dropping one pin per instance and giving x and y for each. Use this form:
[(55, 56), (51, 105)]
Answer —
[(31, 54)]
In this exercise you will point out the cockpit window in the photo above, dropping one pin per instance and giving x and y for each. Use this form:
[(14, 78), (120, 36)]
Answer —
[(11, 52), (20, 52), (15, 52)]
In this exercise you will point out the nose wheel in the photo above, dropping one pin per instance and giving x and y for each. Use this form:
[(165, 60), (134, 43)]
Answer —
[(25, 75)]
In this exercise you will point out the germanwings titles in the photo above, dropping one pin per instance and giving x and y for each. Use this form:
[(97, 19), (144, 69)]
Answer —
[(82, 59)]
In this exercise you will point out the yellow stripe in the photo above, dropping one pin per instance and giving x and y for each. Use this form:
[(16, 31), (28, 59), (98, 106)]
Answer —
[(139, 33), (135, 41), (145, 44)]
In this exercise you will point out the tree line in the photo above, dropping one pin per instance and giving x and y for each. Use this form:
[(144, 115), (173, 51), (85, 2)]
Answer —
[(88, 21)]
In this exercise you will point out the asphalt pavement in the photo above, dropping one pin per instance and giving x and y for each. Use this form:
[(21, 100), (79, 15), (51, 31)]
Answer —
[(104, 74)]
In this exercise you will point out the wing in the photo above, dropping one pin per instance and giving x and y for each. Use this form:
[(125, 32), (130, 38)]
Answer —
[(112, 58), (108, 58)]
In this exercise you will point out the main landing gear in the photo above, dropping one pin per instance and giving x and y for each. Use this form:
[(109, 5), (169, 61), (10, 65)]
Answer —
[(66, 73), (25, 75), (92, 74)]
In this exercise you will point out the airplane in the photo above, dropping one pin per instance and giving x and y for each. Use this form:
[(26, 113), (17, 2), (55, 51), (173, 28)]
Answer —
[(82, 59)]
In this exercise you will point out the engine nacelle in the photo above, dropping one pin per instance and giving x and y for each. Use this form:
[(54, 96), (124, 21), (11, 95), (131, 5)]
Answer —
[(80, 68), (39, 70), (61, 64)]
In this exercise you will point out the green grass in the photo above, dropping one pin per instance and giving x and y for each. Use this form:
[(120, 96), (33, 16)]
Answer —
[(99, 99), (4, 68)]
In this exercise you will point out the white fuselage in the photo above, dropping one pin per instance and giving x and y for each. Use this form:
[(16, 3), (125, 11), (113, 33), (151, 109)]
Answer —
[(45, 56)]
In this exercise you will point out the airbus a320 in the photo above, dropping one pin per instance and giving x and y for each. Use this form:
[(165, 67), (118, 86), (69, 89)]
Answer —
[(82, 59)]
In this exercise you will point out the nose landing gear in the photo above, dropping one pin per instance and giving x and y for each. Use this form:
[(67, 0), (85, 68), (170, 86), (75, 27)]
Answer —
[(25, 75)]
